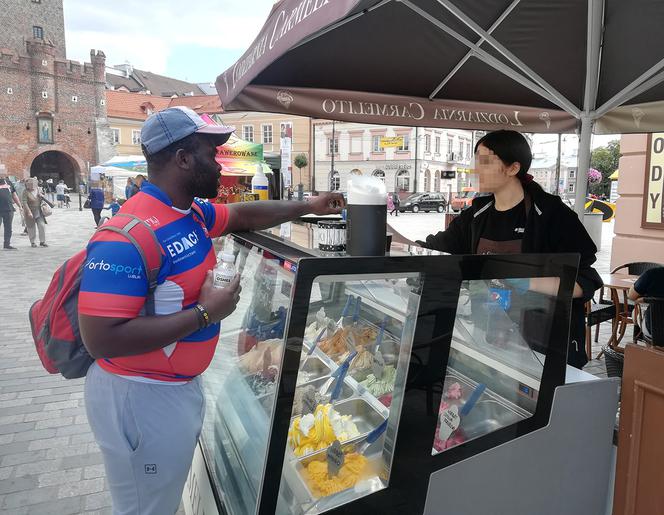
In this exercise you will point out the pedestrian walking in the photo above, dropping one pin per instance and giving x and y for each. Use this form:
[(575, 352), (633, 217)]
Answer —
[(143, 394), (60, 190), (396, 202), (390, 204), (50, 189), (35, 221), (96, 198), (129, 188), (8, 197)]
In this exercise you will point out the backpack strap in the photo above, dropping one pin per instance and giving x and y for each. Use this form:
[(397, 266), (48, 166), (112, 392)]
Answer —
[(144, 240), (197, 209)]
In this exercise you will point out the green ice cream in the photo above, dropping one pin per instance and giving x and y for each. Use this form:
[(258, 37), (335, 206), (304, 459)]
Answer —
[(379, 387)]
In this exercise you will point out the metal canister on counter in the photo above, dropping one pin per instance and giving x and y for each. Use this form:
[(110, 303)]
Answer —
[(332, 236)]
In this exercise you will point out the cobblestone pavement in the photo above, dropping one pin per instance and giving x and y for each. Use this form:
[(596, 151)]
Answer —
[(49, 462)]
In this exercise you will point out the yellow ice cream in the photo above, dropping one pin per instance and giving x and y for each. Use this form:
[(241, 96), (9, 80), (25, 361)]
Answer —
[(322, 485), (318, 430)]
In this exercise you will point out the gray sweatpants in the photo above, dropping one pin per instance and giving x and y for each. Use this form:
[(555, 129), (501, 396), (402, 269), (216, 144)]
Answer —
[(147, 434)]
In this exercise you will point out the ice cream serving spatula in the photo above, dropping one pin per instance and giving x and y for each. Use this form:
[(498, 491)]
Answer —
[(358, 307), (345, 312), (339, 372), (372, 437), (381, 333), (451, 417), (313, 347)]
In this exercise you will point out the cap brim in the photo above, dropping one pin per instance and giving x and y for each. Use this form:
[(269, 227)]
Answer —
[(222, 133)]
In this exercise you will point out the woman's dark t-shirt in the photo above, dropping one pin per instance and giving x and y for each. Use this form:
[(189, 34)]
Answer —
[(503, 231)]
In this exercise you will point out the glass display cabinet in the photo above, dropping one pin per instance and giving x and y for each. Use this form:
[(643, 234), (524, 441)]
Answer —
[(340, 384)]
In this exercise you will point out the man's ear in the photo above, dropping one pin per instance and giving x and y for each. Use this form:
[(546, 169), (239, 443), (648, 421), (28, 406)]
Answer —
[(184, 159)]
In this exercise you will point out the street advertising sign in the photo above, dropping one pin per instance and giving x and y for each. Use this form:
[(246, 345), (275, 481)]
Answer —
[(653, 203), (393, 142), (286, 143)]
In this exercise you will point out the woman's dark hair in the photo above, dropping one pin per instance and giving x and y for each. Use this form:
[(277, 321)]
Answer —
[(510, 147)]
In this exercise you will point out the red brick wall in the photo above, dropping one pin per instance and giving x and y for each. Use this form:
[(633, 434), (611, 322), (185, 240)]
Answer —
[(28, 77)]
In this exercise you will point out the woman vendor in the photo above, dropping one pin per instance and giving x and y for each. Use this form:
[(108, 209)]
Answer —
[(520, 217)]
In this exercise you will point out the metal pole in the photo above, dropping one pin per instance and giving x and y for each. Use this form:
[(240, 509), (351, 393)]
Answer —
[(583, 165), (558, 165), (417, 141), (332, 149), (312, 156)]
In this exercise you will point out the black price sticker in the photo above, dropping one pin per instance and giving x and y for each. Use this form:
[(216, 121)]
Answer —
[(335, 458), (378, 365), (309, 401)]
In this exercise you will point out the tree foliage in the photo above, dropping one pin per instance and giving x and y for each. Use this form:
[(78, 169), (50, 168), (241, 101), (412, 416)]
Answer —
[(605, 159)]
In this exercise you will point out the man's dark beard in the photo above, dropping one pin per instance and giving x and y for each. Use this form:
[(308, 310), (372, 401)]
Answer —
[(204, 179)]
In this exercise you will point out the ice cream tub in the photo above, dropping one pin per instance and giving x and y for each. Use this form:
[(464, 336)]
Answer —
[(358, 475), (346, 393), (312, 369), (354, 418)]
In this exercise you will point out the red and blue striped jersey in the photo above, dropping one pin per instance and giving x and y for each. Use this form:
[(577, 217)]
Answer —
[(114, 282)]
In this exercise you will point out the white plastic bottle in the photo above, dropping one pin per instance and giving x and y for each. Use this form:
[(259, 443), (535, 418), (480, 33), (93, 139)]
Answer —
[(260, 184), (225, 270)]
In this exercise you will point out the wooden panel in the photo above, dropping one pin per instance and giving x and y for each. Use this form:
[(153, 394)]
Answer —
[(639, 486)]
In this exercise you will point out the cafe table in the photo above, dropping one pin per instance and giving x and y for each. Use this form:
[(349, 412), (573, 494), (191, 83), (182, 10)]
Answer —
[(619, 285)]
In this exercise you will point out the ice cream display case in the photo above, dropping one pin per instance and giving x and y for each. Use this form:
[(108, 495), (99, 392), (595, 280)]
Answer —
[(341, 384)]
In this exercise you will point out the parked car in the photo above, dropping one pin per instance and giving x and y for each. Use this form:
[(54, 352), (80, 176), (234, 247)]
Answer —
[(462, 200), (424, 202)]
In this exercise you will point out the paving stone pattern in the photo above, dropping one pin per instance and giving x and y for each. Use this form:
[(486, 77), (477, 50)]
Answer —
[(49, 462)]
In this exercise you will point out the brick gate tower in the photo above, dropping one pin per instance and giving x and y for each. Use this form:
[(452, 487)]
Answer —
[(53, 121)]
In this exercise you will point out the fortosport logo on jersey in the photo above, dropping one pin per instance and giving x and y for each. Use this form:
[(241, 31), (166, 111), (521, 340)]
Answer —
[(133, 272)]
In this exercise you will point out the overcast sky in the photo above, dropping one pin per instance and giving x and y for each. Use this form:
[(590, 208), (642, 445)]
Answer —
[(194, 40)]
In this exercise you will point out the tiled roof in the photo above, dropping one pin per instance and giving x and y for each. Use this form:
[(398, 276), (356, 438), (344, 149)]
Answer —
[(133, 106), (210, 104), (159, 85)]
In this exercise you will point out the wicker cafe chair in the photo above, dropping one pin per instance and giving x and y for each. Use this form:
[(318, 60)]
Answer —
[(595, 315), (656, 310)]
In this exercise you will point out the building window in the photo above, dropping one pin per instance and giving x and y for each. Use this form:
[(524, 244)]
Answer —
[(37, 32), (135, 137), (45, 130), (356, 145), (116, 136), (437, 145), (450, 144), (380, 174), (427, 143), (332, 146), (403, 180), (427, 180), (436, 181), (267, 133), (335, 181), (469, 151), (248, 132), (356, 171), (460, 149), (375, 144), (406, 142), (570, 187), (572, 173)]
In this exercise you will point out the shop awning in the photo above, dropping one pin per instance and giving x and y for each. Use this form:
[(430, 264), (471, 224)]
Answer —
[(528, 65)]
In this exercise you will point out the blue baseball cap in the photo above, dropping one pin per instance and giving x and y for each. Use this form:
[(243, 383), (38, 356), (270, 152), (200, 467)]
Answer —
[(175, 123)]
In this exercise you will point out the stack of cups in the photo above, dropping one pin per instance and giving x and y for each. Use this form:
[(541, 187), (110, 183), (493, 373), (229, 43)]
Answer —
[(366, 216)]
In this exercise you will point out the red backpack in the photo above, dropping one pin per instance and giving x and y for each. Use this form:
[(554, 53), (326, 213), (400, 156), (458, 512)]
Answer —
[(54, 318)]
